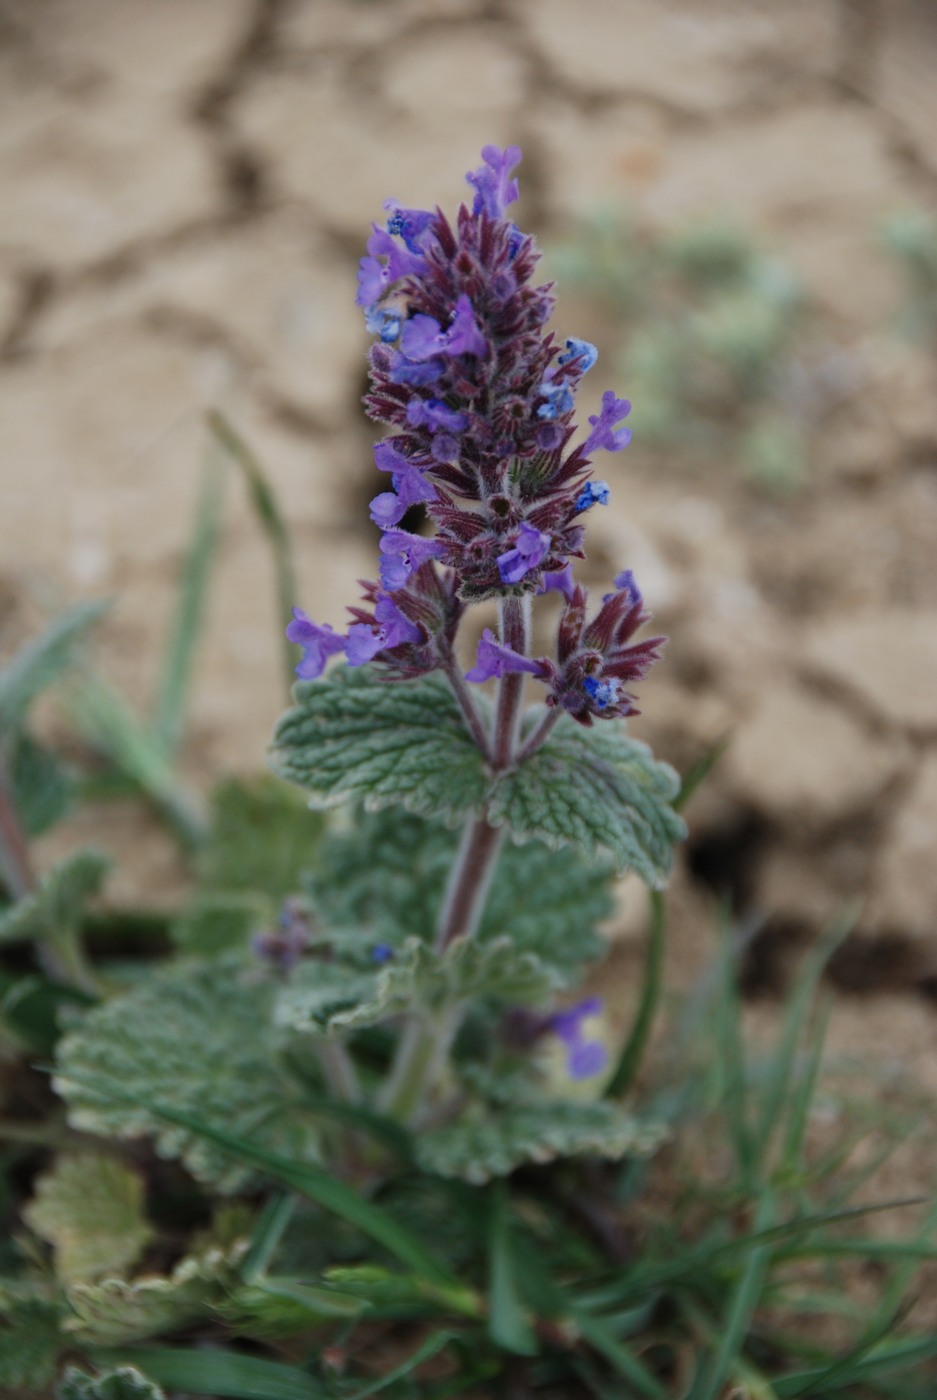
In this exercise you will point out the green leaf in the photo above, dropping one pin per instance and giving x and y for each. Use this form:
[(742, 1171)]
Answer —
[(123, 1383), (59, 900), (494, 1143), (404, 742), (197, 1037), (42, 787), (30, 1337), (112, 1311), (41, 662), (90, 1208), (219, 922), (508, 1323), (225, 1373), (330, 998), (385, 878), (262, 837), (599, 791), (274, 1308)]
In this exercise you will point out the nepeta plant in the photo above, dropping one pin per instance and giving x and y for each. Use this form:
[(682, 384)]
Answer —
[(481, 402)]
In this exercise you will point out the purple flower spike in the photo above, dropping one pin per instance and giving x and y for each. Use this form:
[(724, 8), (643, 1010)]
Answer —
[(603, 693), (410, 486), (495, 660), (463, 336), (559, 581), (625, 582), (532, 545), (494, 188), (402, 554), (593, 493), (559, 401), (318, 644), (584, 1058), (373, 282), (604, 433)]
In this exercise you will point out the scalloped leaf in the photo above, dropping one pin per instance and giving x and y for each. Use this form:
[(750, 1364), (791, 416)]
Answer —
[(262, 837), (113, 1311), (598, 790), (89, 1207), (60, 898), (385, 879), (328, 999), (197, 1037), (354, 735), (122, 1383), (495, 1143)]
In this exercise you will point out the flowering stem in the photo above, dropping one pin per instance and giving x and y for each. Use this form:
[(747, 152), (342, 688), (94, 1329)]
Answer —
[(540, 734), (469, 881), (514, 616), (467, 705)]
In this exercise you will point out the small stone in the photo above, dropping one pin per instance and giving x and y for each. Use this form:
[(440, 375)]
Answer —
[(804, 760), (905, 895), (888, 659)]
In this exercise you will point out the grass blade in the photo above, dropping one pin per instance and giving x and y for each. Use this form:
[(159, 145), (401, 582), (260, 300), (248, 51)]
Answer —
[(430, 1348), (190, 605), (271, 521), (619, 1357), (633, 1052), (700, 771), (40, 662), (216, 1373), (508, 1326)]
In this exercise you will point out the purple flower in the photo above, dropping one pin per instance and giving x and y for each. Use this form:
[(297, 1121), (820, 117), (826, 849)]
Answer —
[(494, 188), (495, 660), (603, 693), (423, 336), (626, 582), (392, 629), (435, 415), (385, 324), (283, 946), (604, 434), (403, 554), (381, 953), (593, 493), (559, 581), (417, 375), (412, 225), (527, 553), (559, 400), (410, 489), (584, 1058), (579, 350), (318, 644)]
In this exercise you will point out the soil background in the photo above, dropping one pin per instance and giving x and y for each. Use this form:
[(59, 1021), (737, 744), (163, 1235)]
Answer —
[(186, 188)]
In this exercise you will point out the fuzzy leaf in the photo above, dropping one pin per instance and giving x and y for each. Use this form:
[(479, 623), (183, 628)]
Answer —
[(385, 879), (262, 838), (598, 790), (30, 1337), (354, 735), (60, 898), (42, 787), (323, 998), (90, 1207), (39, 663), (123, 1383), (114, 1311), (196, 1037), (217, 922), (494, 1143)]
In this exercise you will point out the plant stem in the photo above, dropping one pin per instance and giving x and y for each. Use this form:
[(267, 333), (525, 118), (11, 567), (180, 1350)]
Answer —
[(339, 1071), (540, 734), (514, 616), (468, 707)]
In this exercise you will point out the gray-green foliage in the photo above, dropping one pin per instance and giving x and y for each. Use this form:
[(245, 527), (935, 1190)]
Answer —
[(197, 1037), (42, 786), (328, 998), (90, 1208), (122, 1383), (260, 842), (39, 663), (384, 879), (493, 1142), (599, 791), (59, 900), (351, 734)]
